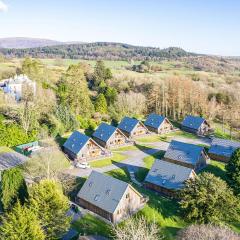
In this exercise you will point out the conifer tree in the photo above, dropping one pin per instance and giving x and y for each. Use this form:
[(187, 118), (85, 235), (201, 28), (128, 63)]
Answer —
[(21, 224), (50, 206), (233, 171), (13, 188), (101, 104)]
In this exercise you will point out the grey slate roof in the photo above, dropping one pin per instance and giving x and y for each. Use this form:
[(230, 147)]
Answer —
[(103, 191), (193, 122), (223, 147), (11, 159), (76, 142), (128, 124), (154, 120), (168, 175), (104, 132), (183, 152)]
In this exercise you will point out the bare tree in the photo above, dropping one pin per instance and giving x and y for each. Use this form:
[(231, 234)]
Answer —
[(137, 229), (46, 164), (131, 103), (207, 232)]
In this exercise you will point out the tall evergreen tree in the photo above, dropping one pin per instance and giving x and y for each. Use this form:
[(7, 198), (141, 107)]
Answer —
[(233, 171), (73, 91), (50, 206), (101, 73), (208, 199), (21, 224), (101, 104), (13, 188)]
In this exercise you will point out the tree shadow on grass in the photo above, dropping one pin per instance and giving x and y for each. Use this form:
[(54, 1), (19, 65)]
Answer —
[(60, 140), (218, 172)]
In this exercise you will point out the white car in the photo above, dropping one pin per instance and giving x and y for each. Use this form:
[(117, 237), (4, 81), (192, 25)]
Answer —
[(83, 165)]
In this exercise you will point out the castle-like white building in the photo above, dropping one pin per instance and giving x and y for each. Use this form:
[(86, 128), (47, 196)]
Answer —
[(14, 86)]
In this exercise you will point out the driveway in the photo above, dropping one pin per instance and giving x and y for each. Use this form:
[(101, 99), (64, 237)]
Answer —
[(133, 161), (135, 158)]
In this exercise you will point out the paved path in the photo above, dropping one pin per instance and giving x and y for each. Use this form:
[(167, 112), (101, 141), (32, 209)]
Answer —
[(135, 157), (133, 161)]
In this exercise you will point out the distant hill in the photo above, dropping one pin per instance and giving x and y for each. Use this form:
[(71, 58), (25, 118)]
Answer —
[(21, 42), (98, 50)]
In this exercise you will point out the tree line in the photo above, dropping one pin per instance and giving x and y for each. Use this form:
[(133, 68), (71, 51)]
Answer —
[(99, 50)]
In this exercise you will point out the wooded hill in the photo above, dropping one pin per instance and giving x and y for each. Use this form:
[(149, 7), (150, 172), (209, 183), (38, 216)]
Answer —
[(98, 50)]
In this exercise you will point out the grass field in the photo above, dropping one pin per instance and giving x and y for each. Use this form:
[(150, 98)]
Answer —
[(166, 137), (164, 211), (117, 157), (148, 161)]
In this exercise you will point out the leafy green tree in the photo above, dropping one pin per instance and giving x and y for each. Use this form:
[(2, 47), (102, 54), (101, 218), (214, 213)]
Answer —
[(110, 95), (13, 188), (233, 171), (21, 224), (50, 206), (12, 134), (101, 73), (32, 68), (208, 199), (101, 104), (73, 91)]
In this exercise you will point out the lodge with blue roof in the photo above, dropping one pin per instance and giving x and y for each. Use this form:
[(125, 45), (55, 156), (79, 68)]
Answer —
[(109, 136), (167, 178), (196, 125), (159, 124), (82, 148), (187, 155), (132, 127), (222, 149)]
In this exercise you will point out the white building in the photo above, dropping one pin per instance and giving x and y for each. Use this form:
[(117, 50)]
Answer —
[(14, 86)]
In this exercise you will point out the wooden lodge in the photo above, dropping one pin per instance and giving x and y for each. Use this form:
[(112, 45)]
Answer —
[(222, 149), (167, 178), (196, 125), (158, 124), (187, 155), (82, 148), (109, 197), (110, 137), (132, 127)]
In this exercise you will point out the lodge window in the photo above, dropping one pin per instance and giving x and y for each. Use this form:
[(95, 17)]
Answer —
[(127, 195)]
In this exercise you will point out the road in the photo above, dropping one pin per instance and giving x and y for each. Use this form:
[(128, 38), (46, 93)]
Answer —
[(135, 158)]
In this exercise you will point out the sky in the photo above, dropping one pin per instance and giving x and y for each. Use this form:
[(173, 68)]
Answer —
[(201, 26)]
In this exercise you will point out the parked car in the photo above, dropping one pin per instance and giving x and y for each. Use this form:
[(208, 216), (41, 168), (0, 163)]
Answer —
[(83, 165)]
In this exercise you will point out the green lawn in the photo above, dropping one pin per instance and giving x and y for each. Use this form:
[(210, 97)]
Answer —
[(164, 211), (217, 168), (117, 157), (153, 138), (182, 134), (166, 137), (149, 160), (90, 225)]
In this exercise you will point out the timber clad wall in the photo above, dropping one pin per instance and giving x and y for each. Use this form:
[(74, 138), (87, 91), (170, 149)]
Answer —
[(203, 129), (159, 189), (184, 164), (139, 130), (129, 204), (219, 157), (95, 209), (117, 139)]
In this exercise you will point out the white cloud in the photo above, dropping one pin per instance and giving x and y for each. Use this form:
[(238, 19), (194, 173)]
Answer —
[(3, 6)]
